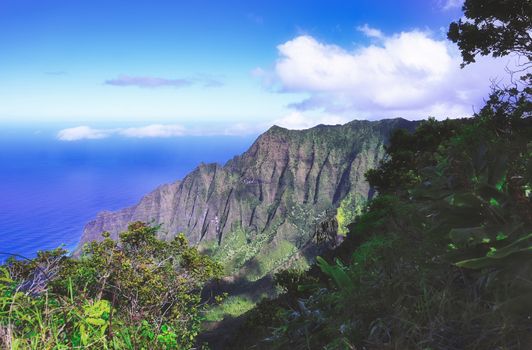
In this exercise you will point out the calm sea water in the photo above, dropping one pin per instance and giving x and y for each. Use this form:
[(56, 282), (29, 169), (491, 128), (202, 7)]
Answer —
[(49, 189)]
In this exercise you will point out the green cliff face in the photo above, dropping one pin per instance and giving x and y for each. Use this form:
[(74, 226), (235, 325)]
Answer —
[(268, 202), (440, 259)]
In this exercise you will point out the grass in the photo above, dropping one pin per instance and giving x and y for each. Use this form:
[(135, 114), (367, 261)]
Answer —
[(268, 260), (233, 306)]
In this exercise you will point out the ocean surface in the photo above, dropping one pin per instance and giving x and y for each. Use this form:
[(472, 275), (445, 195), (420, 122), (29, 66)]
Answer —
[(49, 188)]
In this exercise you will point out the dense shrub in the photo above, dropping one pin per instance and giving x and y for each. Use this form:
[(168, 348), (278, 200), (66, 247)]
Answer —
[(135, 293)]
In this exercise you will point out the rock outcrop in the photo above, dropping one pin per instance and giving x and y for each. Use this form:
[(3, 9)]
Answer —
[(284, 185)]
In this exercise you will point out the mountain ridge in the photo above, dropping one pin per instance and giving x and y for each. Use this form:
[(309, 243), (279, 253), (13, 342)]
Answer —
[(277, 191)]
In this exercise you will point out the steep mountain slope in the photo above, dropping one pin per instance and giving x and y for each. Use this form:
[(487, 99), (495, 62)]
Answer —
[(274, 195), (440, 259)]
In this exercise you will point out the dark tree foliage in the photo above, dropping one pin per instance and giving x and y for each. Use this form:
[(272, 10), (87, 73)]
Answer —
[(440, 259), (496, 27), (407, 153)]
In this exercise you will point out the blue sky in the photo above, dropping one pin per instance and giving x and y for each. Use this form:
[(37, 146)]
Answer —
[(200, 67)]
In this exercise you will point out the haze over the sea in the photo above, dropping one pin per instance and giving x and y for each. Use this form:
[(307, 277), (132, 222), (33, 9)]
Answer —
[(51, 188)]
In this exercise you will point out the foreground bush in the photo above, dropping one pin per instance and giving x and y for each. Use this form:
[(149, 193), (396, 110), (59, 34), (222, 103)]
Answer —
[(135, 293)]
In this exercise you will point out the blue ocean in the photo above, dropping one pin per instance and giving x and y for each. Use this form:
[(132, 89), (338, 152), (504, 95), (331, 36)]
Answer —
[(49, 188)]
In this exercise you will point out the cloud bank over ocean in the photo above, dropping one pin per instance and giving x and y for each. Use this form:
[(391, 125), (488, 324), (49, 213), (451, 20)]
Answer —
[(83, 133), (88, 133), (294, 120)]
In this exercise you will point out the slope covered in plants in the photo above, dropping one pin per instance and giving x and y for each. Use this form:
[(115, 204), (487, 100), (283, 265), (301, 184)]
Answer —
[(267, 201), (441, 259)]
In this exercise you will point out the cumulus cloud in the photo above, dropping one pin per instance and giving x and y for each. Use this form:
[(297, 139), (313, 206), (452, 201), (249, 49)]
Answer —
[(156, 82), (370, 32), (409, 74), (155, 130), (82, 133)]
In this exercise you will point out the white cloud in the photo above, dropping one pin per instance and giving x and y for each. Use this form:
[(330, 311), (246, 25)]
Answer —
[(370, 32), (451, 4), (240, 129), (161, 131), (409, 74), (155, 130), (297, 121), (82, 133), (88, 133)]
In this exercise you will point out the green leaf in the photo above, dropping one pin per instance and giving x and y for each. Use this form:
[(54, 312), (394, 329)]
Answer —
[(496, 257), (494, 202), (336, 272), (95, 321), (522, 244)]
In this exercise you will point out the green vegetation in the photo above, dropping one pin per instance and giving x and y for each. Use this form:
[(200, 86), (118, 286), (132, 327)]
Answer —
[(137, 293), (238, 248), (441, 259), (253, 255), (493, 27), (232, 306), (350, 207), (268, 260)]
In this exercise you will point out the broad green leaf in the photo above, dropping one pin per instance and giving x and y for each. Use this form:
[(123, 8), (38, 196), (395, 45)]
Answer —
[(490, 261)]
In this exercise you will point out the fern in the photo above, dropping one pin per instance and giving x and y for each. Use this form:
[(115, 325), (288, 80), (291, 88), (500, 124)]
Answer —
[(337, 272)]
